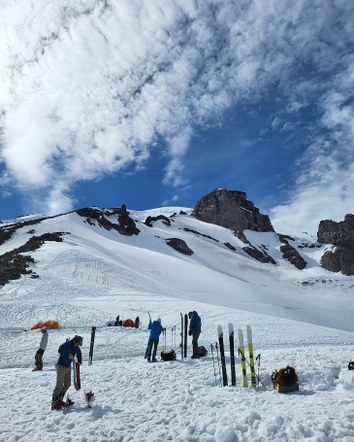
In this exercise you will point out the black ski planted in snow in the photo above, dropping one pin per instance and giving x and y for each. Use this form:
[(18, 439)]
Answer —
[(147, 345), (185, 335), (182, 339), (232, 354), (222, 355), (92, 343)]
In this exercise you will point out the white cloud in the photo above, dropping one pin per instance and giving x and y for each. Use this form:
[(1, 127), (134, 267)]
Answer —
[(87, 87), (330, 198)]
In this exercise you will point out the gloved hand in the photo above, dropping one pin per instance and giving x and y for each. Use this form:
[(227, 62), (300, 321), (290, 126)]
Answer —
[(190, 333)]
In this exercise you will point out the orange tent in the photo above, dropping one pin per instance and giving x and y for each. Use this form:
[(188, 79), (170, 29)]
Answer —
[(50, 324)]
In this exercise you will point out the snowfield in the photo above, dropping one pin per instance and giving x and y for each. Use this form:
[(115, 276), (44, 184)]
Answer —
[(299, 318)]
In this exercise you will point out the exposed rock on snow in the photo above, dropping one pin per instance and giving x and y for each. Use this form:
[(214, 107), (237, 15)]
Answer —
[(125, 226), (14, 264), (151, 219), (290, 253), (231, 209), (341, 235), (180, 246)]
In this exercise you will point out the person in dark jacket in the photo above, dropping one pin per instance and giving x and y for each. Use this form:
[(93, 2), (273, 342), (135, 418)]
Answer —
[(195, 328), (67, 352), (155, 328), (38, 359)]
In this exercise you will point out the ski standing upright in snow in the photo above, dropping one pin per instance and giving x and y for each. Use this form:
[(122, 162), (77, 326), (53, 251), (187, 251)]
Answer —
[(185, 344), (250, 350), (147, 346), (212, 348), (222, 355), (232, 354), (241, 351), (76, 374), (182, 336), (92, 343)]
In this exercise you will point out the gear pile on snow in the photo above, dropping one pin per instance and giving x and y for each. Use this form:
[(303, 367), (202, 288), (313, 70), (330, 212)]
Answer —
[(285, 380)]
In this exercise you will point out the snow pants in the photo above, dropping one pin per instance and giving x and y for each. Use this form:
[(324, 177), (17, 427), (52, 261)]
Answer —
[(195, 337), (152, 346), (63, 381), (38, 359)]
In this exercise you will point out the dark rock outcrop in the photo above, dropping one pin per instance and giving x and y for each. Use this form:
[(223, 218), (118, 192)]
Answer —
[(125, 226), (293, 256), (290, 253), (14, 264), (340, 260), (180, 246), (341, 235), (261, 256), (231, 209), (150, 219), (199, 234)]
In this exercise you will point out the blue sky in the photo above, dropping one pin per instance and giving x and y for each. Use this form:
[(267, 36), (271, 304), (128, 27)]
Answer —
[(153, 103)]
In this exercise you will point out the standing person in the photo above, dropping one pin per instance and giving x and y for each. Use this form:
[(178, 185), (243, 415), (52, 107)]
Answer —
[(38, 358), (195, 328), (67, 352), (137, 322), (155, 331)]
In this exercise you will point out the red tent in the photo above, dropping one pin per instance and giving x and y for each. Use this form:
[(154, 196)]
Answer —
[(128, 323)]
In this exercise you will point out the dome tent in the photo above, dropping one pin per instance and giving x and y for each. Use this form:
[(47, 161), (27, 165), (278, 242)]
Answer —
[(50, 324)]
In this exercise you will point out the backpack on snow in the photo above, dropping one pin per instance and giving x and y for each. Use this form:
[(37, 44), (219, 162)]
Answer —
[(285, 380), (168, 355), (202, 351)]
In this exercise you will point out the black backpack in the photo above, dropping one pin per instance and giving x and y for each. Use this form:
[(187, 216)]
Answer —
[(168, 355), (286, 376)]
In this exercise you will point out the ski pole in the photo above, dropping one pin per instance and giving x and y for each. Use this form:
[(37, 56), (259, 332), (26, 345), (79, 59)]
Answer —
[(212, 357), (258, 360)]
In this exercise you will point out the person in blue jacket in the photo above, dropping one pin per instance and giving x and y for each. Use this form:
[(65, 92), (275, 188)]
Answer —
[(67, 352), (155, 328), (195, 328)]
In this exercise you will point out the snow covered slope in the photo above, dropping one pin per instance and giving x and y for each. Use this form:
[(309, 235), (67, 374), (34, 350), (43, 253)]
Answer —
[(299, 318), (92, 261)]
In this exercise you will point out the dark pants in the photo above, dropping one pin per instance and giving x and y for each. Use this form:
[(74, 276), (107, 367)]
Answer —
[(195, 337), (38, 359), (152, 345)]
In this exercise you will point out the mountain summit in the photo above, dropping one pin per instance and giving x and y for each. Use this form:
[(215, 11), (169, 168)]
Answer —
[(231, 209)]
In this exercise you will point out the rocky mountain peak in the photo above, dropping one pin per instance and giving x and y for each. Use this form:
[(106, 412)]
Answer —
[(341, 235), (231, 209)]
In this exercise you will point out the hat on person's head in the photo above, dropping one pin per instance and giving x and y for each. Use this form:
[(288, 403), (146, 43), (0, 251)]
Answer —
[(44, 328), (190, 315), (159, 320), (77, 340)]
